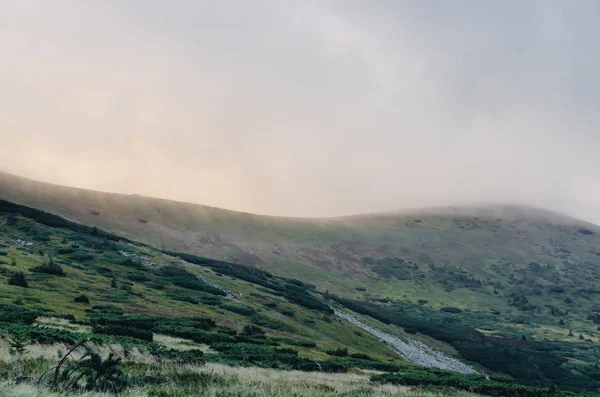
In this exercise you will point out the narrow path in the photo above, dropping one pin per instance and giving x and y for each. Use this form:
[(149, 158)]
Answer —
[(412, 350)]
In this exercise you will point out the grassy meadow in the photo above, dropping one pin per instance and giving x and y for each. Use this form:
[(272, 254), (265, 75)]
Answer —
[(532, 328), (217, 380)]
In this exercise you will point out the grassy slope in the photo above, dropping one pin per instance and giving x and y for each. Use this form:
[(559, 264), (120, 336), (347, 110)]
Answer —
[(93, 277), (491, 244), (220, 380)]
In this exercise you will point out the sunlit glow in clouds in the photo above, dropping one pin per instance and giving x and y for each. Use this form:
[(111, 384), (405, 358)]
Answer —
[(307, 109)]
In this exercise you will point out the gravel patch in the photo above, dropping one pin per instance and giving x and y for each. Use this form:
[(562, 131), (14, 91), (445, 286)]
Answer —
[(412, 350)]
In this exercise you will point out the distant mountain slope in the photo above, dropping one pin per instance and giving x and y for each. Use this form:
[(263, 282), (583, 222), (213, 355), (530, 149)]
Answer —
[(479, 279), (61, 261), (390, 255), (53, 271)]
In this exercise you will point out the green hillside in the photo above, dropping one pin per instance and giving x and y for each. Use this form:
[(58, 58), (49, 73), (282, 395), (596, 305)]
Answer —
[(514, 260), (62, 264), (510, 290), (164, 315)]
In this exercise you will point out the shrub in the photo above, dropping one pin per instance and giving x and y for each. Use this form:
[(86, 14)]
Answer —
[(17, 314), (49, 268), (239, 309), (81, 299), (49, 336), (287, 350), (287, 312), (267, 322), (139, 277), (299, 283), (343, 364), (186, 298), (306, 300), (266, 357), (207, 299), (105, 309), (137, 264), (114, 329), (80, 256), (453, 310), (194, 356), (341, 352), (361, 356), (19, 280), (64, 251), (17, 343), (391, 267), (296, 342), (471, 383), (197, 285), (252, 330), (104, 375), (211, 300)]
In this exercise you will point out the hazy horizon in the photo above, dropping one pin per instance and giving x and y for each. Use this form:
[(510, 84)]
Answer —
[(307, 109)]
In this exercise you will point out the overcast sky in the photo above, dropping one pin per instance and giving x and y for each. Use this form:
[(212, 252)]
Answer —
[(307, 108)]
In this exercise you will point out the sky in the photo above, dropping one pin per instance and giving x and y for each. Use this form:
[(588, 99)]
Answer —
[(307, 108)]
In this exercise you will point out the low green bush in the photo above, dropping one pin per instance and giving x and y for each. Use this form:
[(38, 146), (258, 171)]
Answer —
[(239, 309), (472, 383), (18, 280), (49, 268), (15, 314), (80, 256), (64, 250), (287, 312), (341, 352), (82, 299), (194, 356), (295, 342), (196, 284), (113, 329), (267, 322)]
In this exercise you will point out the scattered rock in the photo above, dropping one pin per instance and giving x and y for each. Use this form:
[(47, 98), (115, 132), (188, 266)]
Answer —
[(412, 350)]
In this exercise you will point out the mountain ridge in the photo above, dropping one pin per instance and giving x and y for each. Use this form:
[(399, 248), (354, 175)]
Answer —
[(46, 248), (476, 281), (337, 254), (492, 209)]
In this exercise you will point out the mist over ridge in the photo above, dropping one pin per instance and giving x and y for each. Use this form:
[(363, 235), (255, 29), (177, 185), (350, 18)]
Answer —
[(309, 109)]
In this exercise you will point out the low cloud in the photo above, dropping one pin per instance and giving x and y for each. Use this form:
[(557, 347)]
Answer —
[(311, 109)]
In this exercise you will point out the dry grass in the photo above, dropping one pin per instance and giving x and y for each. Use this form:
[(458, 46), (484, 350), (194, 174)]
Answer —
[(56, 351), (180, 344), (63, 324), (255, 382), (219, 380)]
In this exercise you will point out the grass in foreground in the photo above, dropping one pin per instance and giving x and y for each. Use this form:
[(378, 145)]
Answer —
[(221, 380)]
